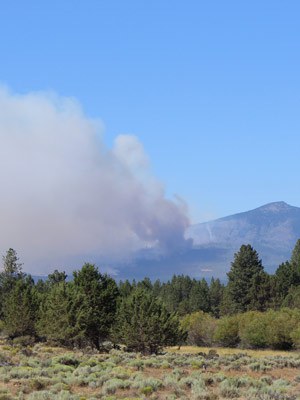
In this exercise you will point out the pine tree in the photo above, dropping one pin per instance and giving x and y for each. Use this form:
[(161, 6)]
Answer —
[(216, 290), (94, 300), (55, 319), (175, 294), (260, 292), (11, 264), (241, 278), (295, 259), (19, 311), (286, 276), (199, 298), (57, 277), (125, 288), (10, 274)]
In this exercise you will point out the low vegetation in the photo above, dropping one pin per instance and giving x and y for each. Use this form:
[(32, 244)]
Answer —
[(39, 372)]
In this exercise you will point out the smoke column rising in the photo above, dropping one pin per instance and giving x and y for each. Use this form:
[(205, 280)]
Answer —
[(65, 196)]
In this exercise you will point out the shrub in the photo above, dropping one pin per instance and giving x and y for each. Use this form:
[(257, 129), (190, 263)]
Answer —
[(38, 384), (200, 327), (66, 360), (280, 327), (228, 389), (227, 331), (147, 390), (252, 329), (23, 341), (295, 336), (112, 385)]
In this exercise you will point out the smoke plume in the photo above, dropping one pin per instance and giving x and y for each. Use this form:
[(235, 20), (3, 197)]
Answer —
[(66, 198)]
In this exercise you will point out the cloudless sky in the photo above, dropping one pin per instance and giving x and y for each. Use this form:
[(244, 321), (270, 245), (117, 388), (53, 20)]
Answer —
[(211, 88)]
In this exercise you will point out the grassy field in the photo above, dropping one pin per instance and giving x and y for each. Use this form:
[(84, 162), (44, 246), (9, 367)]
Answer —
[(41, 372), (228, 351)]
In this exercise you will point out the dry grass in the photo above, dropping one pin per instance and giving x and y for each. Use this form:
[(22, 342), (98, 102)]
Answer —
[(224, 351), (179, 372)]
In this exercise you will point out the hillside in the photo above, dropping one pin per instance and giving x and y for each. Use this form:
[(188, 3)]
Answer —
[(272, 230)]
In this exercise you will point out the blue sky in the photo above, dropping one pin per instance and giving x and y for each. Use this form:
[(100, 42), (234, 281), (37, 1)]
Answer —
[(210, 88)]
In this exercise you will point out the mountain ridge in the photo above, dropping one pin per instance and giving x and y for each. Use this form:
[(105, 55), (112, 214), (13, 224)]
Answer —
[(272, 229)]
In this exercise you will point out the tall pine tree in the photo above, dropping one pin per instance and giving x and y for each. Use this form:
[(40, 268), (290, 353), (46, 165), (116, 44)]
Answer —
[(241, 278)]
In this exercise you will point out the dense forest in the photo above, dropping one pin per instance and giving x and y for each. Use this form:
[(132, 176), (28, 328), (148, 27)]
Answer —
[(254, 309)]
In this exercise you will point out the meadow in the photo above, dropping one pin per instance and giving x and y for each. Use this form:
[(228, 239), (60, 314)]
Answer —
[(42, 372)]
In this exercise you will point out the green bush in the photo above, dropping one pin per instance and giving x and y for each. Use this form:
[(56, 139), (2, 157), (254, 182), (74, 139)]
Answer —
[(280, 327), (23, 341), (200, 327), (295, 336), (227, 331), (147, 390), (253, 329)]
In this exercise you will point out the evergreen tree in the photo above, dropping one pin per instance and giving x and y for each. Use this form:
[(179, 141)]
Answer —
[(226, 303), (157, 288), (94, 300), (216, 290), (55, 320), (175, 294), (242, 277), (10, 274), (292, 300), (295, 259), (286, 276), (145, 325), (260, 292), (11, 265), (57, 277), (125, 288), (145, 284), (19, 311), (199, 298)]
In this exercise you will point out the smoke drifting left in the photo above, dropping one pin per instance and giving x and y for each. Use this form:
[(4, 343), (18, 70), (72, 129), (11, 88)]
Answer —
[(66, 197)]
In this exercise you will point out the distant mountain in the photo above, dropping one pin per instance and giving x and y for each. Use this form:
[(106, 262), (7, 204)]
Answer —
[(272, 230)]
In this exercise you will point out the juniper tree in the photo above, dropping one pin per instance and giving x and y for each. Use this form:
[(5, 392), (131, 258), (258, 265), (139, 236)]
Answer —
[(55, 319), (19, 310), (144, 324), (94, 300)]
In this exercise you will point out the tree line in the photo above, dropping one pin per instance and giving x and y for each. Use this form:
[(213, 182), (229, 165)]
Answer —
[(249, 287), (92, 307), (86, 311)]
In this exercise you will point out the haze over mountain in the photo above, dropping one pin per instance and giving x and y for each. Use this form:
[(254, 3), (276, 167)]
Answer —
[(272, 230)]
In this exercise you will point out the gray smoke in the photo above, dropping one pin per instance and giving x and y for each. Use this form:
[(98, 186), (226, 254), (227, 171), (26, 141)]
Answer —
[(65, 196)]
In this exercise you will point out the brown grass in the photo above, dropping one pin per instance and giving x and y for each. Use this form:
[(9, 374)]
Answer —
[(87, 392), (224, 351)]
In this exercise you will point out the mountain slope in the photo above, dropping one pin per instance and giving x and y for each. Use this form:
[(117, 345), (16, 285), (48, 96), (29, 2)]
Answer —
[(272, 230)]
